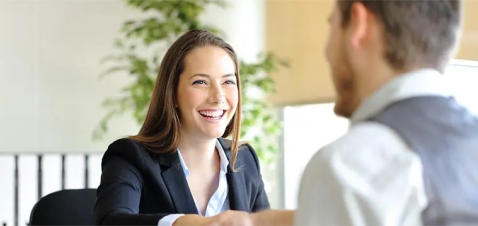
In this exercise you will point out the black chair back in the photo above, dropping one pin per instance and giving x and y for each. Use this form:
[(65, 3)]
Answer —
[(65, 207)]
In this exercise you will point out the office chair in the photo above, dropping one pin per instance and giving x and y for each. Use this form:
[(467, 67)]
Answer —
[(65, 207)]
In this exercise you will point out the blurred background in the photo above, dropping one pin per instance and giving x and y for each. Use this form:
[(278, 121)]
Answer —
[(76, 75)]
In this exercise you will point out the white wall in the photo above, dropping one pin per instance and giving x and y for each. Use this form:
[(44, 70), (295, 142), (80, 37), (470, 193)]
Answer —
[(50, 93)]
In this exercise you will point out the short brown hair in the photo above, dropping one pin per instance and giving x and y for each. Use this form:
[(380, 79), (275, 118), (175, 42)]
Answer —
[(420, 33), (160, 131)]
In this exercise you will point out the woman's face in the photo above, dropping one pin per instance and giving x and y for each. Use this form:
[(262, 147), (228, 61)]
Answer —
[(207, 92)]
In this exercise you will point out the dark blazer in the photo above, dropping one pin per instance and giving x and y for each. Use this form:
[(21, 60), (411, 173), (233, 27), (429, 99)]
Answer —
[(139, 187)]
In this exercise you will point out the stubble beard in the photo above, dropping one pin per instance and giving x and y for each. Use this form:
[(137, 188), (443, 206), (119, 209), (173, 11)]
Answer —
[(345, 85)]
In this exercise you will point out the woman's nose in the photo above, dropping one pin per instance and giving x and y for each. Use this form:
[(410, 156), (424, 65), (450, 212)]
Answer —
[(217, 95)]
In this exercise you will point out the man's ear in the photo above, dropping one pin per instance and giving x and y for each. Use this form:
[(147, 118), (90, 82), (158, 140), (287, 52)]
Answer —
[(359, 24)]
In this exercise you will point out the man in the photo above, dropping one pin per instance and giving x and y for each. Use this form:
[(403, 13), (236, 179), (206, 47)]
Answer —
[(410, 156)]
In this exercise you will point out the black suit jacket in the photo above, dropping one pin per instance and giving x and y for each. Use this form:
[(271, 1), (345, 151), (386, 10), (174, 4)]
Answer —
[(139, 187)]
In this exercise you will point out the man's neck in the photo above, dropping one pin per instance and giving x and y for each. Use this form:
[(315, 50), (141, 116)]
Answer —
[(371, 80), (370, 83)]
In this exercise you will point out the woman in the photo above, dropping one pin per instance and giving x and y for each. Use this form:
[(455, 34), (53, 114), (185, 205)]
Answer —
[(180, 169)]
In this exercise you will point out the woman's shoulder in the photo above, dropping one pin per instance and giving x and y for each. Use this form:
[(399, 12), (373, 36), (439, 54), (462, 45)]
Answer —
[(126, 146), (126, 149)]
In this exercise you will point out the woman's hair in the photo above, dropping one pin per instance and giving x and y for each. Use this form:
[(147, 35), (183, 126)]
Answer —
[(161, 128)]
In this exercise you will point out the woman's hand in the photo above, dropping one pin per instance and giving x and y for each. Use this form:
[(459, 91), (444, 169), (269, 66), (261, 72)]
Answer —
[(262, 218), (192, 219), (227, 218), (231, 218)]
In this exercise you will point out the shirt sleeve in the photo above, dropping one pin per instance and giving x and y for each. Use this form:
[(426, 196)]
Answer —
[(169, 219), (367, 177)]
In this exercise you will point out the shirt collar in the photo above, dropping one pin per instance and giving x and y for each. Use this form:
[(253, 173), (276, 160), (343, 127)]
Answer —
[(224, 162), (423, 82)]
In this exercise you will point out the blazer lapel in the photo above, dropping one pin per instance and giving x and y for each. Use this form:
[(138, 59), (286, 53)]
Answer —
[(177, 184), (238, 199)]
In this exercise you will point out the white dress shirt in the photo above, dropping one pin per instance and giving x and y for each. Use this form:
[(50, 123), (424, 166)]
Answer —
[(219, 201), (369, 176)]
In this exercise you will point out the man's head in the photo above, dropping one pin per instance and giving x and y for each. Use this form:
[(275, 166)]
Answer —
[(371, 41)]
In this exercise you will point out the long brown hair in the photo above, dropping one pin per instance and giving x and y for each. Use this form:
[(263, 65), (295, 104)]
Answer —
[(160, 131)]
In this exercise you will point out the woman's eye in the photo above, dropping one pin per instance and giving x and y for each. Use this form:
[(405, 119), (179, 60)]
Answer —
[(230, 82), (199, 82)]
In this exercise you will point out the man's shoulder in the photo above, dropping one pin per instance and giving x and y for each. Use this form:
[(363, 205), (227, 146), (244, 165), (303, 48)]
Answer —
[(365, 144), (370, 162), (366, 135)]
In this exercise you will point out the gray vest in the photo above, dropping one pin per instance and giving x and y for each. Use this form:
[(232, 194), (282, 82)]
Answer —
[(445, 136)]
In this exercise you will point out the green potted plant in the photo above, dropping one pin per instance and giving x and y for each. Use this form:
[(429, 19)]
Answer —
[(141, 44)]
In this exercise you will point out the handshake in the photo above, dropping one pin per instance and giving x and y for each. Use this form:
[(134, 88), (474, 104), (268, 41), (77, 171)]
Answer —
[(240, 218)]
